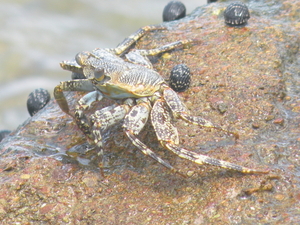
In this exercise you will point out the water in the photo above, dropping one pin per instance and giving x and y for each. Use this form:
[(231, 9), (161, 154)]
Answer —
[(35, 35)]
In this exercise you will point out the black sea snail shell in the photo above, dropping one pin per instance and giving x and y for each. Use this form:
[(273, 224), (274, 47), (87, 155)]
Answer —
[(180, 78), (236, 14), (174, 10), (37, 100)]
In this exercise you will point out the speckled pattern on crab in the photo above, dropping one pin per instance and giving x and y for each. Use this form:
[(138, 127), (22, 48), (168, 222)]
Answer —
[(139, 92)]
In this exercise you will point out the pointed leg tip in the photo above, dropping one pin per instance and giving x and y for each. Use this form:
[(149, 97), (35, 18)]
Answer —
[(236, 136), (252, 171), (264, 171)]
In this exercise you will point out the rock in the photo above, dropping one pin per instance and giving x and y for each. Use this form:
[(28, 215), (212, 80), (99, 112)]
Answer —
[(132, 188), (4, 133)]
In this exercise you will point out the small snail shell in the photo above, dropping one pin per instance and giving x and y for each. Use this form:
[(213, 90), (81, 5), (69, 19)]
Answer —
[(37, 100), (174, 10), (236, 14), (180, 78)]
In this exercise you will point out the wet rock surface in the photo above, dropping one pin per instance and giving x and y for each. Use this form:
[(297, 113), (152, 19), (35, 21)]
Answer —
[(246, 80)]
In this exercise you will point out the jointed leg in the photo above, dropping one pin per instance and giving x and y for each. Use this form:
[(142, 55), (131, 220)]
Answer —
[(106, 117), (134, 123), (74, 85), (179, 110), (137, 56), (101, 120), (203, 159), (167, 135), (83, 104), (125, 45), (164, 48)]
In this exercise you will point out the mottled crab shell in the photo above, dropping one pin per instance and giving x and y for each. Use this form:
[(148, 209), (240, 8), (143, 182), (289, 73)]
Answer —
[(37, 100), (180, 78), (236, 14), (174, 10)]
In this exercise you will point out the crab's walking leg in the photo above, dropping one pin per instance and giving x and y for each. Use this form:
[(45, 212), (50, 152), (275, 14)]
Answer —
[(106, 117), (179, 110), (138, 56), (124, 45), (168, 47), (83, 104), (168, 136), (134, 122), (74, 85)]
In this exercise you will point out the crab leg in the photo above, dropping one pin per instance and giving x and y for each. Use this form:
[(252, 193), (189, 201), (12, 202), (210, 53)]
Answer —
[(73, 85), (134, 122), (137, 56), (179, 110), (156, 51), (83, 104), (106, 117), (125, 45), (168, 136)]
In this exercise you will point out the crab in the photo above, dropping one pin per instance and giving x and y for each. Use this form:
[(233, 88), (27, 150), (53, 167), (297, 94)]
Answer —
[(139, 92)]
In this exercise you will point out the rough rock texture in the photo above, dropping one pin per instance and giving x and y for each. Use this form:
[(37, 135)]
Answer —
[(246, 80)]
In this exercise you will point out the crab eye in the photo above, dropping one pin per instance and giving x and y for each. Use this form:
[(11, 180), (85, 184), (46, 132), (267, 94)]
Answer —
[(99, 74)]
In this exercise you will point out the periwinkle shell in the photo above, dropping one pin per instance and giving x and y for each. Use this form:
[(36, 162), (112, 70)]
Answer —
[(174, 10), (180, 78), (37, 100), (236, 14)]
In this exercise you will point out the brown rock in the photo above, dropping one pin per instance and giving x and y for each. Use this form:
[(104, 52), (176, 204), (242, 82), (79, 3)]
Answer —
[(237, 66)]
